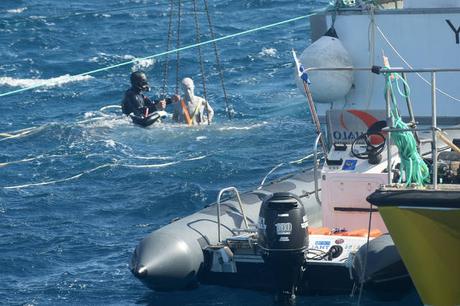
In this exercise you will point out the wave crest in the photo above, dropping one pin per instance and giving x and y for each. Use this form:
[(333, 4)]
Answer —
[(17, 10), (57, 81)]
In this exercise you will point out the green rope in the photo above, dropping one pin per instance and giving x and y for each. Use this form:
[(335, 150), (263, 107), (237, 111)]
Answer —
[(268, 26), (413, 168)]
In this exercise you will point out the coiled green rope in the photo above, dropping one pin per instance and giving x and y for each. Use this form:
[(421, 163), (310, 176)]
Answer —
[(413, 167)]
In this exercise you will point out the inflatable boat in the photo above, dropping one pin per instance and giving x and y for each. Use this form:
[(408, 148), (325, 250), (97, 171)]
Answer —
[(313, 231), (288, 236)]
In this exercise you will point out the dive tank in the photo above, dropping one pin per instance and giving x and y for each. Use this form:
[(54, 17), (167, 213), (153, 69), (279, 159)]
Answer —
[(283, 239), (327, 52)]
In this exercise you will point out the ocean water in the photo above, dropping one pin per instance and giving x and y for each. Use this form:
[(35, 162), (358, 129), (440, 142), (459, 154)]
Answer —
[(80, 185)]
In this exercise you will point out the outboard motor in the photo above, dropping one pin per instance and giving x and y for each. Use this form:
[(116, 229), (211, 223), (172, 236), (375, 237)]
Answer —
[(283, 239)]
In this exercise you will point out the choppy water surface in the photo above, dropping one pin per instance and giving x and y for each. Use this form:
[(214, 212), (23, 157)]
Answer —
[(80, 185)]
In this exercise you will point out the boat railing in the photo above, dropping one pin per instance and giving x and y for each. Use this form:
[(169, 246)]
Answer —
[(278, 166), (219, 198), (434, 129), (262, 183), (316, 167)]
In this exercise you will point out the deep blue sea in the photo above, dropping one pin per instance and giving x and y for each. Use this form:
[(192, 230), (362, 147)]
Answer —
[(80, 185)]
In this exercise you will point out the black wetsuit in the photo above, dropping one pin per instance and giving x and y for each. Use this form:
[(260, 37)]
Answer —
[(135, 102)]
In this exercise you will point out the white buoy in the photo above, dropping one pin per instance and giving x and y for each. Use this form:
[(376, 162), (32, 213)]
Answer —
[(327, 86)]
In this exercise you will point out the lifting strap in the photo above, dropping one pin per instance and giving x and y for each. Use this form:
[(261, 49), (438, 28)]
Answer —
[(195, 112), (186, 114)]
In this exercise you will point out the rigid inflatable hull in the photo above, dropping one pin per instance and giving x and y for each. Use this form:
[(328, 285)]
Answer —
[(171, 257), (175, 256)]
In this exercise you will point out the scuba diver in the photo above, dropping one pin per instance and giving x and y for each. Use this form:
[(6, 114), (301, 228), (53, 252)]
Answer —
[(140, 108), (196, 106)]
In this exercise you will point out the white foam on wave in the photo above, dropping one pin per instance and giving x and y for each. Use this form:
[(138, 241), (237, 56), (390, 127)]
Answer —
[(150, 157), (139, 64), (18, 10), (104, 121), (249, 127), (110, 143), (143, 64), (199, 138), (107, 165), (21, 133), (196, 158), (150, 165), (74, 177), (90, 114), (37, 17), (163, 164), (107, 57), (100, 55), (103, 15), (270, 52), (126, 150), (29, 159), (57, 81), (17, 161)]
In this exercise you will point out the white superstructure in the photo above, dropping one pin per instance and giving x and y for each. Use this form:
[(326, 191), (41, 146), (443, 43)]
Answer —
[(410, 37), (431, 3)]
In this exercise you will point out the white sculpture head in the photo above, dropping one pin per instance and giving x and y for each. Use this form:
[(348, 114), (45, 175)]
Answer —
[(189, 87)]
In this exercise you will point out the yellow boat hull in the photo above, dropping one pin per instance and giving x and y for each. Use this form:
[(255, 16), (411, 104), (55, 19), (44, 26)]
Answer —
[(428, 240)]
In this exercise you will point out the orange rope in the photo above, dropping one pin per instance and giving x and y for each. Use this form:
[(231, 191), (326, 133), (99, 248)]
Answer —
[(186, 114)]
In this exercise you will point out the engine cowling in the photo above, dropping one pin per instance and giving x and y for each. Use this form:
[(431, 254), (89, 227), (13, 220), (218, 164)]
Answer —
[(283, 240)]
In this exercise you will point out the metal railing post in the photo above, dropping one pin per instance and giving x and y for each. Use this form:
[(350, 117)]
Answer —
[(314, 115), (219, 196), (315, 167), (390, 125), (410, 109), (434, 144), (218, 216)]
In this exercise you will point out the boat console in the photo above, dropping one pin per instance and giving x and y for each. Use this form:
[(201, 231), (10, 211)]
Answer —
[(355, 166)]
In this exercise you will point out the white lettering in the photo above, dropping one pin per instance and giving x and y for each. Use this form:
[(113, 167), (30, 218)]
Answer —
[(283, 228)]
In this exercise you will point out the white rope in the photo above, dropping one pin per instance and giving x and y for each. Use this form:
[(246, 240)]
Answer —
[(298, 161), (371, 48), (410, 66)]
